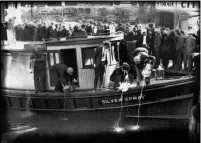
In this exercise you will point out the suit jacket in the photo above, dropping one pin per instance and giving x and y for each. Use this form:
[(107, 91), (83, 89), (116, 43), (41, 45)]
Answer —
[(129, 36), (166, 43), (180, 40), (39, 64), (191, 44), (131, 46), (98, 56), (122, 52), (61, 71), (150, 38)]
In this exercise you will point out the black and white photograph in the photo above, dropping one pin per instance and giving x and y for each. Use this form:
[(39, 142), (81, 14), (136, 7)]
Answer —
[(100, 71)]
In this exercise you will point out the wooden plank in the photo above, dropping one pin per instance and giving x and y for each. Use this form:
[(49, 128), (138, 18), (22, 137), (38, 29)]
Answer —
[(53, 104), (88, 102), (80, 103), (67, 103), (39, 103), (160, 117), (15, 102), (8, 101), (24, 102)]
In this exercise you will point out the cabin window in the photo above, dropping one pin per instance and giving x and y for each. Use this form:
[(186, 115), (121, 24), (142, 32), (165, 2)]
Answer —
[(53, 58), (87, 57)]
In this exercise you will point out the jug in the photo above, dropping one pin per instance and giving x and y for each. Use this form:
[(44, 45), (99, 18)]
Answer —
[(146, 72), (159, 73)]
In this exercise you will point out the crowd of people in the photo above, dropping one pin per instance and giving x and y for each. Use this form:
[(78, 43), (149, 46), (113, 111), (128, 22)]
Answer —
[(166, 44), (41, 31)]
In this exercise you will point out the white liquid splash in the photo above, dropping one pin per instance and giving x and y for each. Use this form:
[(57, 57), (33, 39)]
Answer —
[(134, 128), (119, 129)]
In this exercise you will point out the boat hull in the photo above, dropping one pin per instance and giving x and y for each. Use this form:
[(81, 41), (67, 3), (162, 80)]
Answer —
[(168, 99)]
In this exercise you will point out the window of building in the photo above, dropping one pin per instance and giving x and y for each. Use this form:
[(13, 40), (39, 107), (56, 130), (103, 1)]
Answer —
[(87, 57)]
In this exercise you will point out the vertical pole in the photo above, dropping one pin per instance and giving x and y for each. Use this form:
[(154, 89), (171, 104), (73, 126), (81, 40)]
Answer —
[(31, 10), (110, 54), (118, 51)]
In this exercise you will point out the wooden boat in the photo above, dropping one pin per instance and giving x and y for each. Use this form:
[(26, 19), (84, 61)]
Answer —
[(170, 97)]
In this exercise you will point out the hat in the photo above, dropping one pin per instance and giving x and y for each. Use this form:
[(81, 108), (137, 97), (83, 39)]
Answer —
[(106, 43), (165, 31), (128, 25), (150, 25), (136, 59), (157, 29), (139, 25), (70, 71), (125, 66)]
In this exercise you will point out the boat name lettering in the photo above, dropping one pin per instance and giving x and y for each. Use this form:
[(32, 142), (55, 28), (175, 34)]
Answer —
[(118, 100)]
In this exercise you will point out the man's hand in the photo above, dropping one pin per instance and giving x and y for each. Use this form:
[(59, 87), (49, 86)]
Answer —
[(94, 65), (30, 71), (33, 60), (74, 80)]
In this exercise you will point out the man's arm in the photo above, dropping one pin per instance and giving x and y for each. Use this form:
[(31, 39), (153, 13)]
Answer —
[(151, 58)]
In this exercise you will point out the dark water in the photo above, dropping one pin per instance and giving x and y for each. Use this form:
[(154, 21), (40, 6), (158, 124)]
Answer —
[(25, 126)]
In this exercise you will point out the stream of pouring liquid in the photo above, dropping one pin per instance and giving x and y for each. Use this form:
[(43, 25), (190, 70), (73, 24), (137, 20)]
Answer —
[(28, 113), (136, 127), (64, 118), (117, 127)]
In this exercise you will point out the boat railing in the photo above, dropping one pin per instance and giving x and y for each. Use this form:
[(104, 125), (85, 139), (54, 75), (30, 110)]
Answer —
[(83, 36)]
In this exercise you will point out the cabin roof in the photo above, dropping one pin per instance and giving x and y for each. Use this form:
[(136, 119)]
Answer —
[(77, 41)]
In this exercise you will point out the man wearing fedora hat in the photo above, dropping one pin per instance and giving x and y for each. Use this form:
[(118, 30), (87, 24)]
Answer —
[(119, 75), (100, 61)]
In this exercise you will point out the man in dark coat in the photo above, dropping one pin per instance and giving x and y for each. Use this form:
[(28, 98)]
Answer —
[(166, 44), (119, 75), (64, 76), (100, 61), (141, 59), (78, 33), (38, 68), (43, 32), (122, 53), (150, 39)]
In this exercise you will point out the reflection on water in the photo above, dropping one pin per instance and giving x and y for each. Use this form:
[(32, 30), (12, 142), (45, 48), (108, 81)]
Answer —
[(83, 123)]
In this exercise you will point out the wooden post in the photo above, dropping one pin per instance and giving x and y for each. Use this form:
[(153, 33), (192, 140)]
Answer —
[(118, 52)]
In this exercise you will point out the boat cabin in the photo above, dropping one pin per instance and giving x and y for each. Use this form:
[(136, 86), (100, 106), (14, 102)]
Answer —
[(75, 53)]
